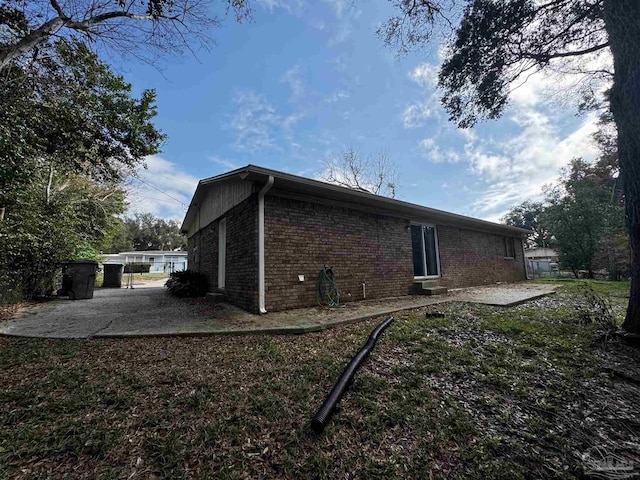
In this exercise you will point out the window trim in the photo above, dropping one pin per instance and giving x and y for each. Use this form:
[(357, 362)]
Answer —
[(424, 251)]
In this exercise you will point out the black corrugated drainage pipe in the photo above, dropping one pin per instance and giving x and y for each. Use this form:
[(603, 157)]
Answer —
[(321, 418)]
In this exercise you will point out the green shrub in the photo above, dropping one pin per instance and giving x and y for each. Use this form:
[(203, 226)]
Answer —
[(137, 268), (187, 283)]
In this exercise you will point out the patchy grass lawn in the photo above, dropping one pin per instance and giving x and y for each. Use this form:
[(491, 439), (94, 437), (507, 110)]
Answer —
[(526, 392), (615, 291)]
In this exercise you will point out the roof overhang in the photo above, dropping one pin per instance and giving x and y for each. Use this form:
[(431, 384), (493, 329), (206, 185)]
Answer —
[(349, 198)]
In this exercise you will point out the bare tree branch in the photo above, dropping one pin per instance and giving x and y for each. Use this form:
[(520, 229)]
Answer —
[(132, 27), (545, 57), (56, 6), (371, 174)]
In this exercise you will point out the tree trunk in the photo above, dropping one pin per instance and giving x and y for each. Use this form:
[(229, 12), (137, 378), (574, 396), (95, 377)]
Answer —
[(621, 21)]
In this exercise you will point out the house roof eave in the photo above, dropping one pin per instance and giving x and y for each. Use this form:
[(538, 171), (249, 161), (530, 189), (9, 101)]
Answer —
[(320, 189)]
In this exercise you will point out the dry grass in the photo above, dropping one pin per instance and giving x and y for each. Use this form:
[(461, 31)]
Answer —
[(7, 311), (526, 392)]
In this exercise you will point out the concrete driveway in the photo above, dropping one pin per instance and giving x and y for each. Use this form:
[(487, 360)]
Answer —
[(150, 311), (111, 311)]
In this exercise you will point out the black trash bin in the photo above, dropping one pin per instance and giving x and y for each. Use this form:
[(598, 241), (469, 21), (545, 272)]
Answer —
[(78, 279), (112, 275)]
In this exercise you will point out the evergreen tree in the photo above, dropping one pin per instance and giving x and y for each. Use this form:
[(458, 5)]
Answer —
[(70, 131)]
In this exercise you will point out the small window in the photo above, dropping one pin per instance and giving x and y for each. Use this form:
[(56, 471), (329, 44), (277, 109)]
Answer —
[(509, 249)]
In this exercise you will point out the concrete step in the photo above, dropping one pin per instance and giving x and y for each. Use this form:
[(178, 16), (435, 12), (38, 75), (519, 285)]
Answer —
[(215, 297), (419, 286), (425, 283), (434, 291)]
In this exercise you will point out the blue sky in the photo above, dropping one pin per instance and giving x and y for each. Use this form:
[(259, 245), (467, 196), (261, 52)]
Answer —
[(305, 80)]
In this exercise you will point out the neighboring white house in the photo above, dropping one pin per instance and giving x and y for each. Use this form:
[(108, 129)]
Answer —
[(160, 260), (541, 260), (541, 253)]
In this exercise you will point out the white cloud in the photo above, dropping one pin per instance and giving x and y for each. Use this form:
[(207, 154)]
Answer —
[(560, 83), (227, 164), (258, 126), (338, 7), (416, 115), (288, 124), (500, 196), (345, 23), (293, 78), (516, 169), (340, 33), (162, 189), (468, 134), (432, 152), (341, 64), (487, 164), (539, 147), (513, 168), (425, 75), (337, 97), (286, 5), (543, 88), (253, 122)]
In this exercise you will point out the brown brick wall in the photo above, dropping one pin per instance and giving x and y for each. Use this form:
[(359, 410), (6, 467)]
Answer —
[(470, 257), (301, 237), (203, 254), (242, 255), (241, 283), (193, 245)]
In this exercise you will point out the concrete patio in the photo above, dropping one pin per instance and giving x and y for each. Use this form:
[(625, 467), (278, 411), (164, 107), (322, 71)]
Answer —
[(151, 311)]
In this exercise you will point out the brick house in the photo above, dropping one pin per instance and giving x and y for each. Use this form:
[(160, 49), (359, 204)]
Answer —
[(262, 236)]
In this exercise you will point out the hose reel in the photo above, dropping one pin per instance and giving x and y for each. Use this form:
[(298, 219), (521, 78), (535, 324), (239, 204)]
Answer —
[(327, 293)]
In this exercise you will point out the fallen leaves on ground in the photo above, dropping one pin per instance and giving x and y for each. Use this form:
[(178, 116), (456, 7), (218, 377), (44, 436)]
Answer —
[(524, 392)]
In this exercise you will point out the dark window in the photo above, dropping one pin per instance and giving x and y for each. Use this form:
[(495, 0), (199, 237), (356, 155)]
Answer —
[(418, 250), (430, 248), (509, 249), (425, 250)]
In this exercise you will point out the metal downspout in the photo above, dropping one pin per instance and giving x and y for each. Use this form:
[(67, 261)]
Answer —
[(527, 274), (263, 192)]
